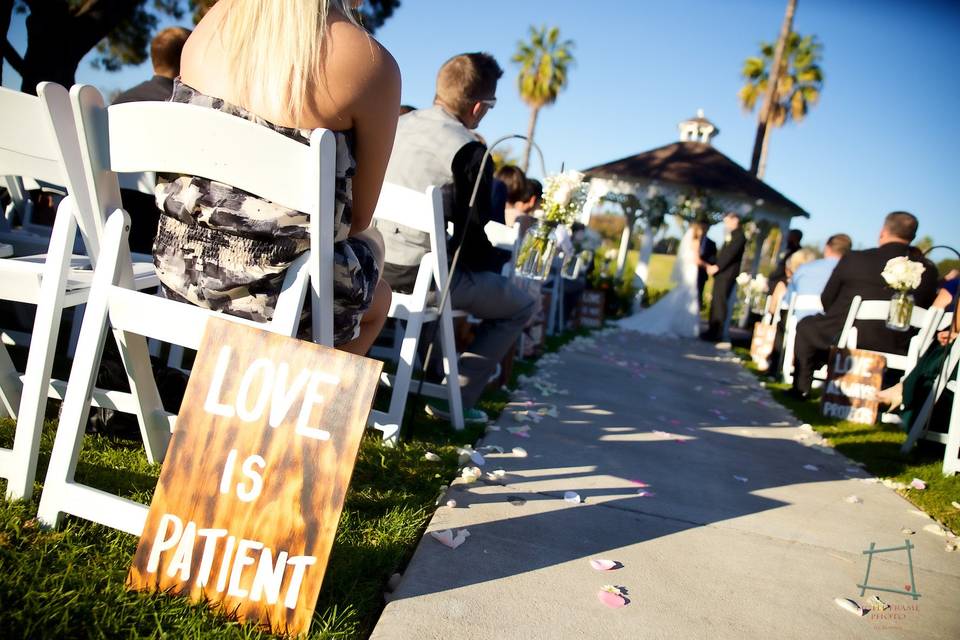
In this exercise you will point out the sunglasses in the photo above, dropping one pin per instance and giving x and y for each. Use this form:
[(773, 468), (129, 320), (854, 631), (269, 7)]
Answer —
[(491, 103)]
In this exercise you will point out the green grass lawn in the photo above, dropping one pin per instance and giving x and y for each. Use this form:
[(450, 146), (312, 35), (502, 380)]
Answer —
[(69, 582), (878, 447)]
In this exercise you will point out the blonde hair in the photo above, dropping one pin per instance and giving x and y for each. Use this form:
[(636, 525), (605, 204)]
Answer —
[(800, 257), (276, 50)]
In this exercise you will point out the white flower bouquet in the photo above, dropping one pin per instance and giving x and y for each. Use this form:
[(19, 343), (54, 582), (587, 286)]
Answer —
[(564, 195), (903, 274)]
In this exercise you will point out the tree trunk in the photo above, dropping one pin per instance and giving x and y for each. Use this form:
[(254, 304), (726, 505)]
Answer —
[(74, 32), (762, 166), (530, 128), (773, 80)]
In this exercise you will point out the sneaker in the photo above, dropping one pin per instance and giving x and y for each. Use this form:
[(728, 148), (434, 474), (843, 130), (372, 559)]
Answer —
[(441, 409)]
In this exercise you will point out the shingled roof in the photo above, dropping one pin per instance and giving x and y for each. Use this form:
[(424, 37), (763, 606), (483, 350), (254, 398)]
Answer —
[(697, 165)]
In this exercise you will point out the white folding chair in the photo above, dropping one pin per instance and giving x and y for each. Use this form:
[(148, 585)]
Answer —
[(798, 304), (183, 139), (423, 212), (919, 428), (951, 455), (921, 319), (38, 138)]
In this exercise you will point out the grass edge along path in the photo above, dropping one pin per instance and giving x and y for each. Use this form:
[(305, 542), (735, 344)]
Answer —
[(877, 447), (69, 582)]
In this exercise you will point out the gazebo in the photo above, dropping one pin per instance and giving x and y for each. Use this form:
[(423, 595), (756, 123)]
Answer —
[(690, 168)]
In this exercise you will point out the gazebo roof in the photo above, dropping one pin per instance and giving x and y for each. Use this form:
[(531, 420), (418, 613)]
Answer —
[(697, 165)]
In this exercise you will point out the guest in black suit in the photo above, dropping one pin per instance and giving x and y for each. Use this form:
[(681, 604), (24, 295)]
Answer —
[(858, 274), (708, 256), (725, 273)]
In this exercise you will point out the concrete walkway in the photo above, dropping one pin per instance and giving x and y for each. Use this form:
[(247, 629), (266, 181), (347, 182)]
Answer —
[(738, 540)]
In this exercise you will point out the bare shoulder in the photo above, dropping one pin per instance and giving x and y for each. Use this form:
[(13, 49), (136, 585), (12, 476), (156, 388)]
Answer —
[(357, 68)]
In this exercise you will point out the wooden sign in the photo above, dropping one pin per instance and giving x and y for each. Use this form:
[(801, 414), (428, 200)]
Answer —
[(854, 377), (254, 480), (761, 344), (590, 312)]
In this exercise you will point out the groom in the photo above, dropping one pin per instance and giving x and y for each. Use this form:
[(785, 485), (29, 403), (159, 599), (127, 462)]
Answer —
[(724, 274)]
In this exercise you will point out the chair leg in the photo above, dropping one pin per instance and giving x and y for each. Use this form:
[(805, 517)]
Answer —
[(154, 427), (919, 426), (75, 330), (951, 461), (452, 370), (43, 345), (10, 385)]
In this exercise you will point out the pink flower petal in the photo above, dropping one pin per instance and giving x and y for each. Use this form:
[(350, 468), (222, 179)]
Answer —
[(602, 564), (612, 600)]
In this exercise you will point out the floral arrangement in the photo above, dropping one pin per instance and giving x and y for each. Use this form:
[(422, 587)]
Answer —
[(753, 286), (564, 195), (903, 274), (697, 207)]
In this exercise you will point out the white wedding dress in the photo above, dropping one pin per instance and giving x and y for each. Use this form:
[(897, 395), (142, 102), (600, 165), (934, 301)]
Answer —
[(677, 314)]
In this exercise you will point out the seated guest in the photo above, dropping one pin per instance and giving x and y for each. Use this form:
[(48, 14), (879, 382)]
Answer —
[(437, 146), (529, 204), (859, 274), (794, 262), (515, 182), (909, 396), (779, 274), (165, 56), (812, 277), (225, 249)]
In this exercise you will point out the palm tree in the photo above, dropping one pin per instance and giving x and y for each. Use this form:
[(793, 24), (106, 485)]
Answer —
[(797, 88), (544, 62)]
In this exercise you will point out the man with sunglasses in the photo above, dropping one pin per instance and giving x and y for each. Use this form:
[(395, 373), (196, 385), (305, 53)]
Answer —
[(438, 146)]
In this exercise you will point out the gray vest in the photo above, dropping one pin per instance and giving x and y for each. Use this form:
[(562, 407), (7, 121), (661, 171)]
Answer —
[(423, 151)]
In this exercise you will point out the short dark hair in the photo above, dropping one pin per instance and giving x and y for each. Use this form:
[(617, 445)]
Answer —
[(166, 48), (795, 233), (515, 180), (466, 79), (533, 189), (840, 243), (406, 108), (901, 224)]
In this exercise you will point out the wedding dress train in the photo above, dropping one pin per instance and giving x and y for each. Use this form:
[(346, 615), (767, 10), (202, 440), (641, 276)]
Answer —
[(677, 314)]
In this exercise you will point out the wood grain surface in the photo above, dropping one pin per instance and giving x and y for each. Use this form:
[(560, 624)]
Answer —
[(210, 533), (854, 377)]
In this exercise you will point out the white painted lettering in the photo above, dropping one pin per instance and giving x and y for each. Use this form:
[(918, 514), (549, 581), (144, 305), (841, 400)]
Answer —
[(225, 564), (269, 577), (261, 369), (241, 560), (210, 537), (183, 556), (311, 398), (162, 542), (283, 396), (227, 476), (299, 564), (256, 480), (212, 403)]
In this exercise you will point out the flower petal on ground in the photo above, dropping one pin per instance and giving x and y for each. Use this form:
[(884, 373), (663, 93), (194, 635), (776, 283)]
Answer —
[(448, 538), (430, 456), (741, 478), (918, 484), (572, 496), (612, 600), (849, 605), (811, 467), (520, 452), (853, 500), (602, 564)]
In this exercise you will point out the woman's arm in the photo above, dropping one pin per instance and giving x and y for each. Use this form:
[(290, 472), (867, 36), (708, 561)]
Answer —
[(375, 114)]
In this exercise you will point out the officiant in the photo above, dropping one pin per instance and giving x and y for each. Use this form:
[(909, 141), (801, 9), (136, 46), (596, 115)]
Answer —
[(724, 274)]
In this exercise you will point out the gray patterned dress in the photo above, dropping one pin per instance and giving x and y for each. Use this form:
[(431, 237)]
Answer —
[(225, 249)]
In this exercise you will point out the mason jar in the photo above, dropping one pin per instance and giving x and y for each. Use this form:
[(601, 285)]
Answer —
[(535, 256)]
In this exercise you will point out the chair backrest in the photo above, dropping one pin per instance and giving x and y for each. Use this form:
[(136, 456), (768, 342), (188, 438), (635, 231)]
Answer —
[(38, 140), (420, 210), (192, 140), (878, 310)]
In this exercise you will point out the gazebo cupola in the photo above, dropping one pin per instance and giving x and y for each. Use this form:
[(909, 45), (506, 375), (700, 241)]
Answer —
[(697, 129)]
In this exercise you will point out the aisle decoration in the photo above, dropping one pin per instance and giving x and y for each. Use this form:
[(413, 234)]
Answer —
[(903, 275), (564, 195)]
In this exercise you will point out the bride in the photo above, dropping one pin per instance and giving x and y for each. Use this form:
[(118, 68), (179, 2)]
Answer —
[(677, 314)]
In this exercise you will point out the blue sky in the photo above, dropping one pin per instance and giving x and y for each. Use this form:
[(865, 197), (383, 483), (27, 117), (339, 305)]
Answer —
[(882, 138)]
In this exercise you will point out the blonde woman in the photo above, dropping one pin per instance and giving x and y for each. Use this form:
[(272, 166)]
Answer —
[(292, 66)]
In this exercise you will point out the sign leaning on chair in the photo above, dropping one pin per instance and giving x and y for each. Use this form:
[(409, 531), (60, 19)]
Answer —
[(854, 377), (251, 490)]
